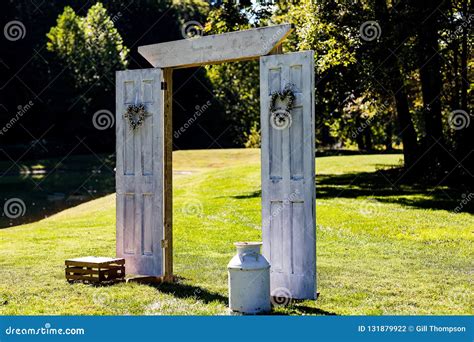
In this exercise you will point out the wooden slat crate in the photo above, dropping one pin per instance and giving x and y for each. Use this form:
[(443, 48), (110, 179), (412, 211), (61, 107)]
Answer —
[(95, 269)]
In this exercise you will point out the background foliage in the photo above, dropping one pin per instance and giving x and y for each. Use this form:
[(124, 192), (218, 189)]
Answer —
[(398, 88)]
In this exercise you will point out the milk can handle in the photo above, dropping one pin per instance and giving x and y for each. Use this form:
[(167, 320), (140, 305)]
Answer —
[(250, 254)]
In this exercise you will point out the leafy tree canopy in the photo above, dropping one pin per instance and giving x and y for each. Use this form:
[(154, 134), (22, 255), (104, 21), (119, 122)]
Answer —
[(90, 46)]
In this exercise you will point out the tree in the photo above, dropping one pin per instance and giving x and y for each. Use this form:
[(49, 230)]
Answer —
[(352, 105), (236, 85), (90, 46), (390, 73), (458, 37), (89, 50)]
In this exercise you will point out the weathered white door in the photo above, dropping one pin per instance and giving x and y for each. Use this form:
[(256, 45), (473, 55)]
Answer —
[(288, 175), (139, 173)]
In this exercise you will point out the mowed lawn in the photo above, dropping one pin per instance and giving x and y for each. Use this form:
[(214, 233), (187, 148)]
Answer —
[(382, 248)]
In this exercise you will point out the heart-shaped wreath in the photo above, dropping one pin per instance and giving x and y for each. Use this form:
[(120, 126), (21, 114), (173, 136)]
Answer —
[(287, 94), (136, 115), (281, 118)]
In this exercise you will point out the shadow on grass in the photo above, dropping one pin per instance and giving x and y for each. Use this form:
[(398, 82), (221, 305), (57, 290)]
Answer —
[(342, 152), (184, 291), (385, 186), (254, 194), (180, 290), (302, 310)]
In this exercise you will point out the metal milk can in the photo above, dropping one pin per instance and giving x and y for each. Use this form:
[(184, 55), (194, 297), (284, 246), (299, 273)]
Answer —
[(249, 280)]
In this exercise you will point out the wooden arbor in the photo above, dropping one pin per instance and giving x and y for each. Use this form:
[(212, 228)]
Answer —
[(144, 156)]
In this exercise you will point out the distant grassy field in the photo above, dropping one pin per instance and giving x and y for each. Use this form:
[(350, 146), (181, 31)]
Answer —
[(382, 248)]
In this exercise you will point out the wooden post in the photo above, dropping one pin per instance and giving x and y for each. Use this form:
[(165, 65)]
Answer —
[(277, 50), (168, 174)]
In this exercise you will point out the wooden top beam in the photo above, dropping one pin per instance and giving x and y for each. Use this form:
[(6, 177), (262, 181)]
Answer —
[(226, 47)]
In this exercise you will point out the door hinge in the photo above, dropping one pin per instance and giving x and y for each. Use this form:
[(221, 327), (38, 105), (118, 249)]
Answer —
[(164, 86), (164, 243)]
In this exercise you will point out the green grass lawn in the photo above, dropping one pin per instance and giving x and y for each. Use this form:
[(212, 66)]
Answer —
[(382, 248)]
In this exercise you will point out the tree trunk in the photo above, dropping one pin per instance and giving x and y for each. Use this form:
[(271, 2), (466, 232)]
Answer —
[(368, 139), (464, 141), (388, 136), (397, 87), (407, 130), (359, 138), (326, 139), (464, 54), (455, 75), (430, 70)]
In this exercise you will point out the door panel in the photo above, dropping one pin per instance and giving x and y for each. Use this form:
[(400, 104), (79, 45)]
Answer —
[(139, 173), (288, 177)]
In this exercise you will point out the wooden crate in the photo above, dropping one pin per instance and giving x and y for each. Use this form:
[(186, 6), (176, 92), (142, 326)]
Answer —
[(95, 269)]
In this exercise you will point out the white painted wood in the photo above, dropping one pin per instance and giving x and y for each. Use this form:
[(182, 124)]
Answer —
[(288, 177), (232, 46), (139, 173)]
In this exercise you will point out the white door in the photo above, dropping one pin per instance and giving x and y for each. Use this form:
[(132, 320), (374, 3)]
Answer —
[(139, 173), (288, 175)]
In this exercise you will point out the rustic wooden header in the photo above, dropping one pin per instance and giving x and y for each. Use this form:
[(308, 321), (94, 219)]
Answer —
[(226, 47)]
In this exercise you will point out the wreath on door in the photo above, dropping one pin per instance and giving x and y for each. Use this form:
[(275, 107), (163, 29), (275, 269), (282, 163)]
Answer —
[(136, 114), (280, 118)]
